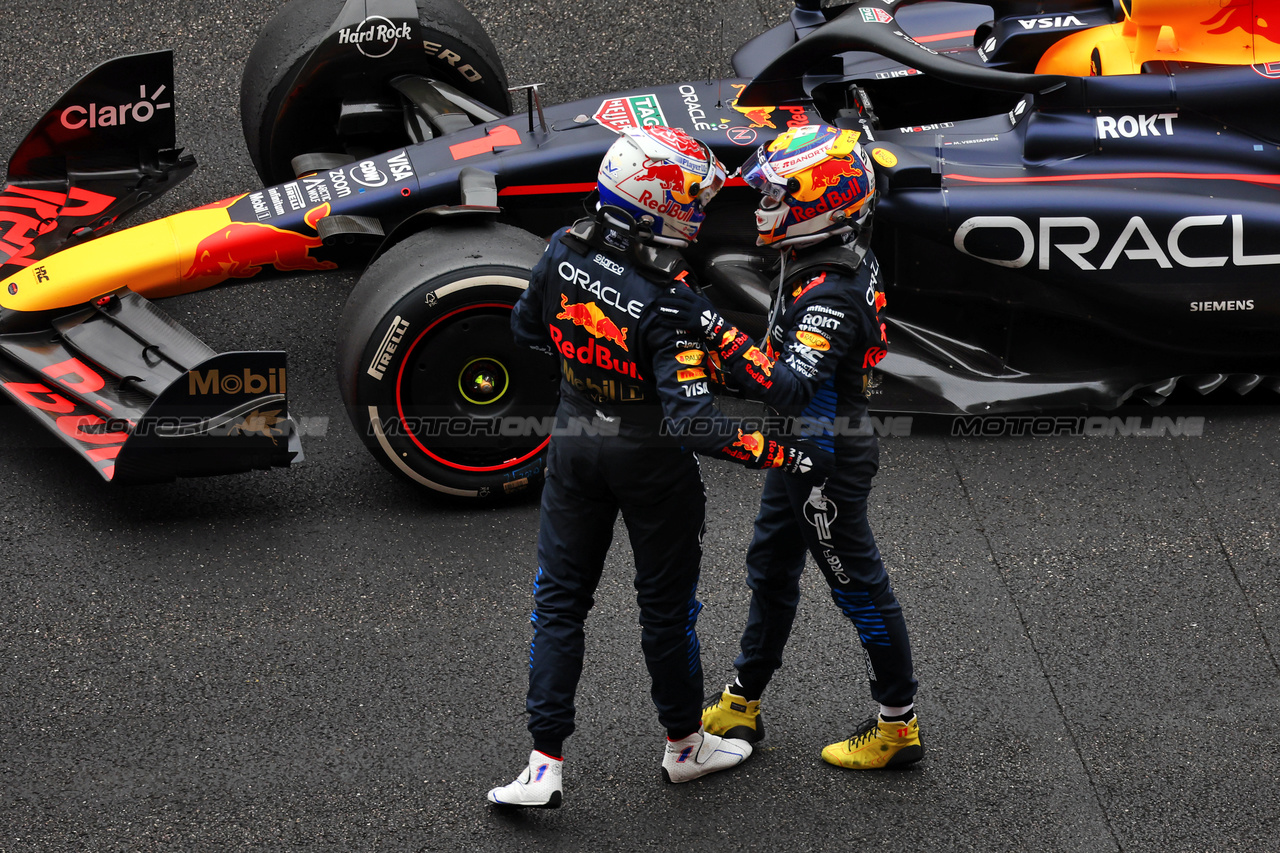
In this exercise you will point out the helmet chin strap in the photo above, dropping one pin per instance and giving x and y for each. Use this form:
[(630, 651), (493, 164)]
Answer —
[(775, 308), (805, 240), (638, 229)]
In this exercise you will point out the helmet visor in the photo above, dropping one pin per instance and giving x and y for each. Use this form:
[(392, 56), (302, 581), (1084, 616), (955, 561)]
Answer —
[(758, 174), (713, 181)]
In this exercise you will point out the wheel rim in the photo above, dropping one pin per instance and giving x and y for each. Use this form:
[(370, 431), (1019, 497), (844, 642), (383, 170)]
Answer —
[(483, 381), (468, 397)]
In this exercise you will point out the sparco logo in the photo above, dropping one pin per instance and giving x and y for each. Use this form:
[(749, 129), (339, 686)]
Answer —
[(244, 382), (612, 267), (114, 115), (375, 36), (386, 349)]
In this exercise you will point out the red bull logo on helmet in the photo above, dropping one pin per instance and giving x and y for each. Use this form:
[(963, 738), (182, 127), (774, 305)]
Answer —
[(680, 179), (668, 206), (828, 174), (850, 198), (667, 175)]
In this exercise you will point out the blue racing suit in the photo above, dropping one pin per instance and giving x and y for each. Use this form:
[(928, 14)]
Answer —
[(825, 335), (634, 405)]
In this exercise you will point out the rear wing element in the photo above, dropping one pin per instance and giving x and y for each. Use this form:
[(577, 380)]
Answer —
[(142, 399), (103, 150)]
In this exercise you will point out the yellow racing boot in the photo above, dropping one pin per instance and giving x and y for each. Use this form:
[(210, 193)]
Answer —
[(732, 716), (878, 744)]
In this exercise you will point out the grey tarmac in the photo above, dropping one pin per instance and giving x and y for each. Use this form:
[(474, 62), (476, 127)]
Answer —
[(322, 660)]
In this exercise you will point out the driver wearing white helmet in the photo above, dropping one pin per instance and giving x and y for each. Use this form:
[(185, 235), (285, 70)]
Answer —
[(632, 398)]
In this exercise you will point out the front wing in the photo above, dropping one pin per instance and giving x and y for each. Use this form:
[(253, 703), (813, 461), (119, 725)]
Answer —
[(142, 399)]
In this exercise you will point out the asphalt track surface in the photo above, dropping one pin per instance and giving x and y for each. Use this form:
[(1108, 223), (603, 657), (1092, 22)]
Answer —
[(320, 659)]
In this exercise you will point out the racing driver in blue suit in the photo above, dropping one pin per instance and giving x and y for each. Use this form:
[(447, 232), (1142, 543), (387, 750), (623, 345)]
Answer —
[(824, 336), (634, 405)]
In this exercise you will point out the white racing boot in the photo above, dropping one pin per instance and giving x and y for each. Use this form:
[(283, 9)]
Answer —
[(538, 785), (699, 754)]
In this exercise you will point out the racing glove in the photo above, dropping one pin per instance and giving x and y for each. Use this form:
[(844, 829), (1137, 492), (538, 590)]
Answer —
[(792, 455), (684, 308)]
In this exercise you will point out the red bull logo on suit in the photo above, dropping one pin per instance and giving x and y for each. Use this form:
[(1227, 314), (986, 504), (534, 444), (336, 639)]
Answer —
[(589, 316)]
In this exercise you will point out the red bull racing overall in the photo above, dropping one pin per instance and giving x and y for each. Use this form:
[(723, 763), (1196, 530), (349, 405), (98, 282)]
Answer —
[(634, 404), (824, 337)]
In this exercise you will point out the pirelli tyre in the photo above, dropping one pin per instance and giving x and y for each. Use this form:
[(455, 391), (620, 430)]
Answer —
[(292, 95), (431, 378)]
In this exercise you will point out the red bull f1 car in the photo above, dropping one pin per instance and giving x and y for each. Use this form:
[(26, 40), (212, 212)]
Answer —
[(1078, 207)]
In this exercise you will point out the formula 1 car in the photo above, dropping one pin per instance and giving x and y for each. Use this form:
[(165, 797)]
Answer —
[(1076, 208)]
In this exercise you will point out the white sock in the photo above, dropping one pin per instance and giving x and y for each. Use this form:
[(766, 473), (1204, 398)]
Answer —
[(895, 711)]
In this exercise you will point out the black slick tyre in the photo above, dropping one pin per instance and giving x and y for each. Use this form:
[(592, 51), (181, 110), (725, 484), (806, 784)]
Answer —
[(284, 115), (431, 378)]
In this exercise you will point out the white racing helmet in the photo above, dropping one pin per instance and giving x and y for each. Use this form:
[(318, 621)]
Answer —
[(662, 176)]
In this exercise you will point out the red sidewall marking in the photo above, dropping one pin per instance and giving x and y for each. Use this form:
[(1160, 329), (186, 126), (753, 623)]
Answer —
[(400, 402)]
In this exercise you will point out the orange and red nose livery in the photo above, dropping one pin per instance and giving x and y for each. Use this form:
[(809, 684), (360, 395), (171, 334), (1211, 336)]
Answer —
[(241, 249), (182, 253)]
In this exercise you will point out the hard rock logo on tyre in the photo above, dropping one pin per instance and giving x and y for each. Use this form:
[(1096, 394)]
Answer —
[(375, 36)]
